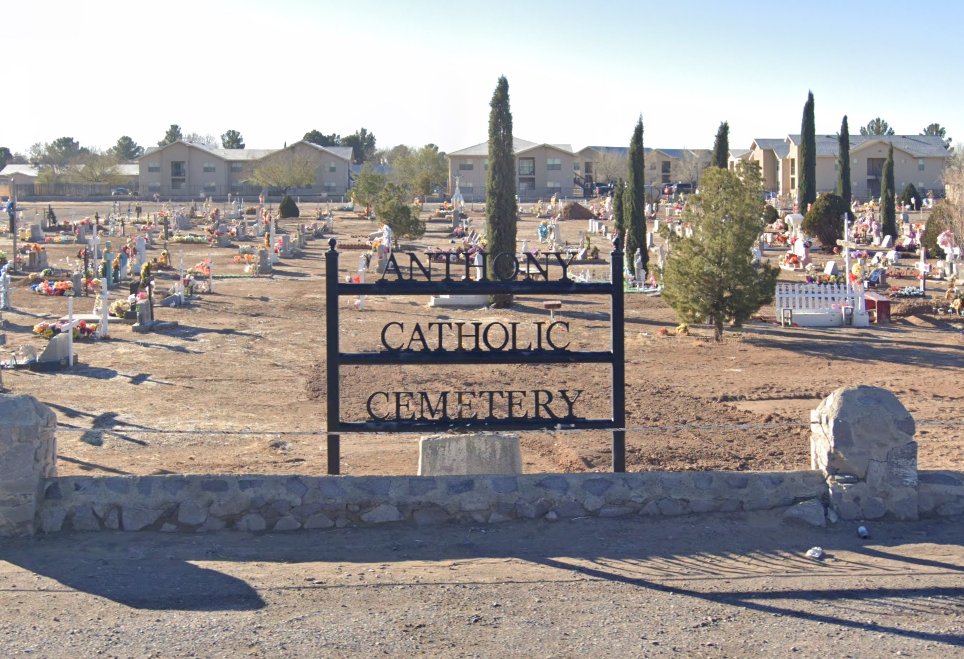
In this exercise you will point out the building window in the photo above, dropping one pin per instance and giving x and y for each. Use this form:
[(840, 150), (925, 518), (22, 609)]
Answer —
[(793, 168), (575, 166), (553, 165), (177, 169), (793, 183), (554, 185), (177, 183), (210, 185), (466, 166), (236, 168), (525, 185), (664, 167), (527, 166), (332, 167), (209, 168), (154, 167), (920, 164), (466, 189)]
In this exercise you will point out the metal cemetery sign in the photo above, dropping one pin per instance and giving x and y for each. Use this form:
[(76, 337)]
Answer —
[(480, 343)]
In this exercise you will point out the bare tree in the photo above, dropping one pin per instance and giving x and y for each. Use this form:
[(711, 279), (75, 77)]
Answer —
[(285, 171), (609, 167), (954, 189)]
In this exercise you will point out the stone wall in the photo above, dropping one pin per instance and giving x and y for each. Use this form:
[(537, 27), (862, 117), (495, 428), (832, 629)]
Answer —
[(28, 450), (286, 503)]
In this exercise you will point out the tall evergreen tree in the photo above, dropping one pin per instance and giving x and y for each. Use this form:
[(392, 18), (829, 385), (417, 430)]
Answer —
[(501, 211), (721, 146), (619, 219), (888, 208), (843, 163), (172, 135), (634, 203), (807, 173)]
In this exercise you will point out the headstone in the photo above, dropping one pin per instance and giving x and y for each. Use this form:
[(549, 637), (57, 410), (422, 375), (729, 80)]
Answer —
[(36, 234), (830, 268), (28, 455), (264, 262), (140, 245), (887, 241)]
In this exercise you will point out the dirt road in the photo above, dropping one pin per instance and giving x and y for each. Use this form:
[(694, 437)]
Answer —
[(736, 585)]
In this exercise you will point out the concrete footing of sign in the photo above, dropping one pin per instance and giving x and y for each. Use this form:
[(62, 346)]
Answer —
[(480, 453)]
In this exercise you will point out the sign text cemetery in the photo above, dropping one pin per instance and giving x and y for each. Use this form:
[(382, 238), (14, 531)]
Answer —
[(444, 343)]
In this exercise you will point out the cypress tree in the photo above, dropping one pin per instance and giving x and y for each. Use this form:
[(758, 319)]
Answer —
[(721, 146), (634, 203), (500, 203), (843, 163), (807, 174), (619, 224), (887, 206)]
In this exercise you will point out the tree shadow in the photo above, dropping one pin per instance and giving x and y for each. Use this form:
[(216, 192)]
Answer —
[(701, 557)]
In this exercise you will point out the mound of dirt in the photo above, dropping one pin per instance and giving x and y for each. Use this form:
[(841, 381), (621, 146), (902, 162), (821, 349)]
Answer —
[(574, 211)]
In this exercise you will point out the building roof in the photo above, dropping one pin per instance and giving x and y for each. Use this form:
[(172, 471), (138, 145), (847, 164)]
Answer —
[(778, 145), (519, 145), (223, 154), (737, 154), (623, 151), (19, 168), (919, 146), (343, 152)]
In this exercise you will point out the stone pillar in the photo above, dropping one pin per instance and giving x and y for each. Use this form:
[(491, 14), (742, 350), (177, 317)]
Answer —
[(481, 453), (862, 439), (28, 455)]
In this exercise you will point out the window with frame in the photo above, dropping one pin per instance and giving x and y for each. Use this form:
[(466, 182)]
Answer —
[(575, 166), (527, 166), (209, 168), (154, 187), (237, 168), (793, 167), (210, 185), (332, 167), (154, 167), (553, 185), (553, 164), (466, 166), (920, 164)]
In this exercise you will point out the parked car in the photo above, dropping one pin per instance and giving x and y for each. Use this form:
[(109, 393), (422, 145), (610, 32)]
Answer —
[(602, 188), (674, 189), (120, 192)]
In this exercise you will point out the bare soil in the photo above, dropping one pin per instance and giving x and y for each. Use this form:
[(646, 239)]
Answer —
[(701, 586), (238, 385)]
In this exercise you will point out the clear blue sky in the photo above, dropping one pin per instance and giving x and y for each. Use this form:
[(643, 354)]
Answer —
[(423, 71)]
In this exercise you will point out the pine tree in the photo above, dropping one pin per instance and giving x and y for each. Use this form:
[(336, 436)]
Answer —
[(619, 224), (887, 205), (711, 275), (721, 146), (807, 174), (843, 163), (634, 203), (500, 203)]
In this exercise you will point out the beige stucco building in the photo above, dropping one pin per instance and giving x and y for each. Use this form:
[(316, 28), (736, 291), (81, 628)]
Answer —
[(918, 159), (184, 169), (542, 170)]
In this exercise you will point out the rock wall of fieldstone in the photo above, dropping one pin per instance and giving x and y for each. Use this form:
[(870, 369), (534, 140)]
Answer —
[(286, 503), (28, 454)]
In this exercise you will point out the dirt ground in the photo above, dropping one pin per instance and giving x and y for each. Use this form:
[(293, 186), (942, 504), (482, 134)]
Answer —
[(700, 586), (238, 385)]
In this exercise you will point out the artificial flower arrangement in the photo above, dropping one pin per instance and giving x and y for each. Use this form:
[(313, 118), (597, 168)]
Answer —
[(60, 239), (907, 291), (48, 287), (82, 330), (791, 259), (190, 239), (202, 269), (244, 258), (119, 308)]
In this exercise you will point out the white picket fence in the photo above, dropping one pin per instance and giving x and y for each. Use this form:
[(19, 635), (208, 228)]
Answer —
[(821, 305)]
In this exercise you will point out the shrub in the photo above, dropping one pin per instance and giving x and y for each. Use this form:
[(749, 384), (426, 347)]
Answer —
[(824, 219), (911, 197), (938, 222), (770, 214), (288, 207)]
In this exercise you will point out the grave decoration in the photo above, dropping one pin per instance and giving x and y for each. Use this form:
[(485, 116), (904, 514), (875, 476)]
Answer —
[(190, 239), (906, 291), (61, 239), (49, 287), (120, 308), (82, 329)]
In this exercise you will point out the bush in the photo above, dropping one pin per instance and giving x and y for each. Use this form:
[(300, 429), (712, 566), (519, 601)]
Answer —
[(770, 214), (824, 219), (911, 197), (938, 222), (288, 207)]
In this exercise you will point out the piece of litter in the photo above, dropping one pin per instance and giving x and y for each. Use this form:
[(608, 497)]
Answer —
[(862, 532), (815, 552)]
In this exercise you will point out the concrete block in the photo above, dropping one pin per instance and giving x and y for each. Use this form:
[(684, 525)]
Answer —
[(482, 453)]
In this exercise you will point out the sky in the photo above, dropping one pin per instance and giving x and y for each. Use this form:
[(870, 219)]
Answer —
[(415, 72)]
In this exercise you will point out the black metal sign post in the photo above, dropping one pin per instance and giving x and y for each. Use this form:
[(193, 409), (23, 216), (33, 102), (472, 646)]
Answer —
[(424, 280)]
